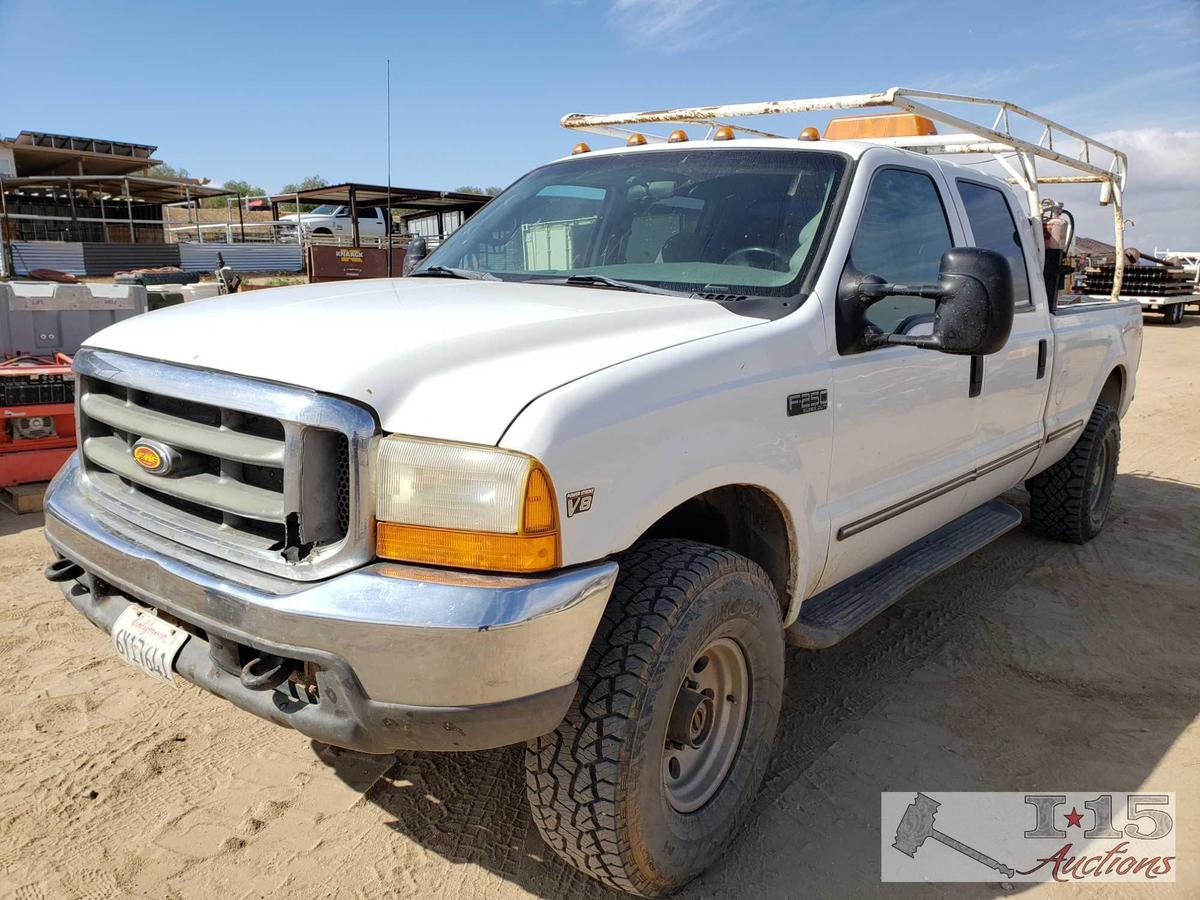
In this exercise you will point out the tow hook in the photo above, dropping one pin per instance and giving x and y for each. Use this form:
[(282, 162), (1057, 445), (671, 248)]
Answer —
[(267, 672), (63, 570)]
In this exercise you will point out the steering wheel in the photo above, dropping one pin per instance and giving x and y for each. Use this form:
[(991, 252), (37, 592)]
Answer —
[(775, 260)]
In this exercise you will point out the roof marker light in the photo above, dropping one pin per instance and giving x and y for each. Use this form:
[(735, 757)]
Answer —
[(678, 136), (724, 133), (581, 147), (809, 134), (635, 140)]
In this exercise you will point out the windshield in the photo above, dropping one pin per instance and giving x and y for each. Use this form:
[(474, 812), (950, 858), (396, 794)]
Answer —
[(325, 209), (706, 220)]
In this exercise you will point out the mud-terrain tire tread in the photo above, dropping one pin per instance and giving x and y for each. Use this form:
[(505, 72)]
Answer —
[(573, 774), (1058, 497)]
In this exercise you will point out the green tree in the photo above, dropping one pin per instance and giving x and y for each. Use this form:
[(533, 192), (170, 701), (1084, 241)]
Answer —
[(471, 189), (164, 171), (245, 188), (305, 184)]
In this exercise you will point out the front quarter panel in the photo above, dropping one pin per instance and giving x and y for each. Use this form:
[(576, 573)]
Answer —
[(648, 434)]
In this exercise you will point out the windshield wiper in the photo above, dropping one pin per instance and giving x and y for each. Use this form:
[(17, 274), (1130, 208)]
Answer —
[(451, 272), (605, 281)]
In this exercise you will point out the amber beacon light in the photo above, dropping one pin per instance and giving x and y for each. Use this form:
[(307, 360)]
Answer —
[(465, 506)]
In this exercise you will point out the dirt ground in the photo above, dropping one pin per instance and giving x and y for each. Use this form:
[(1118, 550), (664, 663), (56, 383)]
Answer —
[(1030, 666)]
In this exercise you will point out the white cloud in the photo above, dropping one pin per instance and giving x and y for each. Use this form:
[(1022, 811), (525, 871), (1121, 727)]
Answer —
[(674, 24), (1162, 191)]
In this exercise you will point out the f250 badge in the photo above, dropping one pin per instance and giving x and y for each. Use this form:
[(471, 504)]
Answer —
[(808, 402), (579, 501)]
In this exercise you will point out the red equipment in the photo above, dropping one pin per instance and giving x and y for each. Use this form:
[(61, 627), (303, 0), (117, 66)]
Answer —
[(37, 417)]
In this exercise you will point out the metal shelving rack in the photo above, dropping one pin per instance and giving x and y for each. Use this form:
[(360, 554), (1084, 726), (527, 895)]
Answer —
[(1093, 161)]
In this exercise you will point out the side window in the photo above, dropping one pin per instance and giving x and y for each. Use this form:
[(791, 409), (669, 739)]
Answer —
[(901, 237), (994, 229)]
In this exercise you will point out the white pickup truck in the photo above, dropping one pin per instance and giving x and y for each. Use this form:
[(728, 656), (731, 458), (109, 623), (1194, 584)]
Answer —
[(331, 219), (651, 414)]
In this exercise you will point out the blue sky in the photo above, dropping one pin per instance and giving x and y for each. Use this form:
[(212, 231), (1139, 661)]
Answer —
[(270, 92)]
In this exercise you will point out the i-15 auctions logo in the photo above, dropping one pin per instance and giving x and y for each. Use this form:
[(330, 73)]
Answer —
[(1067, 837)]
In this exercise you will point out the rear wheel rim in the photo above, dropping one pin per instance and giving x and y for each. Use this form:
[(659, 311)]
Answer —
[(1101, 478), (707, 723)]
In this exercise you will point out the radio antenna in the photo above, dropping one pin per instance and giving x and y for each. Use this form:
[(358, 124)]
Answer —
[(389, 167)]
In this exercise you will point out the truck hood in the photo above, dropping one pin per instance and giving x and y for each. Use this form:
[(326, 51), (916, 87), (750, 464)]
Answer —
[(433, 357)]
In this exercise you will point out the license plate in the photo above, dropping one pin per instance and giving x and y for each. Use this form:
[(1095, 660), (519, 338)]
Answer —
[(146, 641)]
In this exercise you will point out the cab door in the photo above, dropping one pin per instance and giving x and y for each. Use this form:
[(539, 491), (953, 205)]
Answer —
[(904, 422), (1012, 384)]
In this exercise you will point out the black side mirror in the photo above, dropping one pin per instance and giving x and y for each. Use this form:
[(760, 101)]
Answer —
[(974, 304), (417, 250)]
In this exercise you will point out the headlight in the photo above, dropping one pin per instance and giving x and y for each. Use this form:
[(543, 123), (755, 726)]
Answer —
[(465, 506)]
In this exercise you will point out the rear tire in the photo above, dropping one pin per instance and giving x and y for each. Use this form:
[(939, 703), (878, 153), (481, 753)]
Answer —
[(1174, 313), (623, 790), (1069, 501)]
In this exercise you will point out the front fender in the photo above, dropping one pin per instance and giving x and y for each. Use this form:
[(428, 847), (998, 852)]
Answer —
[(651, 433)]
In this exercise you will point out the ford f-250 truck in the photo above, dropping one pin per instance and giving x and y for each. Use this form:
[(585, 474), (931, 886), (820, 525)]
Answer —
[(649, 415)]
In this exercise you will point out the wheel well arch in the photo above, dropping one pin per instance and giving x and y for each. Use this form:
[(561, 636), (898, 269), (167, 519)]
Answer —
[(745, 518), (1113, 390), (321, 229)]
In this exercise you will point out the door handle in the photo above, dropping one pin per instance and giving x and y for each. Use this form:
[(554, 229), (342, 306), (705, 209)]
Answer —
[(976, 387), (1042, 348)]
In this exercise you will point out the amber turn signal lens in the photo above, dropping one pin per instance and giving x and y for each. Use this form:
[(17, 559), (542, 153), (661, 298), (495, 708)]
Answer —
[(677, 136), (635, 140), (581, 147), (724, 133), (468, 549), (540, 514)]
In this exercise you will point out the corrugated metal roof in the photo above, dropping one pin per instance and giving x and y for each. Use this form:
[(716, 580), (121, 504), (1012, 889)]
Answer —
[(378, 194)]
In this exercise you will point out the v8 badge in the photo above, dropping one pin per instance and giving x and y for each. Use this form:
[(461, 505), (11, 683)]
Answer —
[(579, 501)]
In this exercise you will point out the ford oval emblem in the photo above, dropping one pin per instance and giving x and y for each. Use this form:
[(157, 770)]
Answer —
[(155, 457)]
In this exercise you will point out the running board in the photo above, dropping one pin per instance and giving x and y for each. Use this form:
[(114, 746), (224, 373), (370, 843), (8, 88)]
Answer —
[(838, 612)]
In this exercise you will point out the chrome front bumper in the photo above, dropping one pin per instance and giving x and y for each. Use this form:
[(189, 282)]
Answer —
[(405, 657)]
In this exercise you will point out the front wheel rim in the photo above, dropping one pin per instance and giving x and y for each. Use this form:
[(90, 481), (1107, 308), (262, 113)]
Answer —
[(706, 725)]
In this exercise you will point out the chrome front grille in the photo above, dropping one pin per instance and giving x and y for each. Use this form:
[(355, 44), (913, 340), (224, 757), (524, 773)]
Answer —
[(271, 477)]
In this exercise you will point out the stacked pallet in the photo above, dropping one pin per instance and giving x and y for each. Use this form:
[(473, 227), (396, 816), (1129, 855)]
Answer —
[(1139, 281)]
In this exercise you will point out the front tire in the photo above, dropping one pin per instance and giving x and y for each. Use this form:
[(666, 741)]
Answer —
[(651, 774), (1069, 501)]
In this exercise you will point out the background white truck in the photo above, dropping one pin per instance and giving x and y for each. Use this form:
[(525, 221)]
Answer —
[(330, 219), (650, 414)]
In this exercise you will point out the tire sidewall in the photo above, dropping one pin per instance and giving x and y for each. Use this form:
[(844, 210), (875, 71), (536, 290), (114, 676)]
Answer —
[(676, 846)]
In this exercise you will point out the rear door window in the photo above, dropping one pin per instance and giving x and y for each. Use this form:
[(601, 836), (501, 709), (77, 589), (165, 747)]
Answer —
[(994, 228)]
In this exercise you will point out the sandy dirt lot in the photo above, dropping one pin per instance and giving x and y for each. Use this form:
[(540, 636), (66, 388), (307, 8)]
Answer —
[(1030, 666)]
